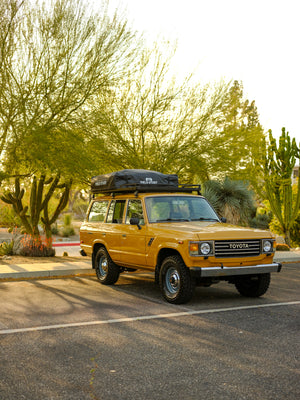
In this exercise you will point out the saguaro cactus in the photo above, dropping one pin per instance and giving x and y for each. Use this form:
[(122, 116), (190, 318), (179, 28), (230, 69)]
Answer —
[(278, 167)]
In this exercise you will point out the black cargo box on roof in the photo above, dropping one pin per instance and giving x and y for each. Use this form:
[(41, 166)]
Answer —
[(129, 180)]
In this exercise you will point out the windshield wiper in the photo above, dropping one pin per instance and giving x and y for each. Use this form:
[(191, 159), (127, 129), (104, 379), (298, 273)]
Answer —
[(205, 219), (173, 219)]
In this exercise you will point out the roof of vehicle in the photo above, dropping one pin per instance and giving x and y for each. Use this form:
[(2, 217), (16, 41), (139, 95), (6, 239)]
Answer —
[(133, 195)]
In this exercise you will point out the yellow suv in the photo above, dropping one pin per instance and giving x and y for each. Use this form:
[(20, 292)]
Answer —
[(141, 219)]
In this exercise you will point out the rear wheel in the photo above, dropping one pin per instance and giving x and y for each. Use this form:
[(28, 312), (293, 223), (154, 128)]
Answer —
[(106, 270), (175, 281), (253, 286)]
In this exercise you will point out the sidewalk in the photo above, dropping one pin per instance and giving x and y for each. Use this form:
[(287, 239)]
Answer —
[(82, 267)]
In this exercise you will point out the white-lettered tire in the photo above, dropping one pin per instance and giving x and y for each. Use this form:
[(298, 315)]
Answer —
[(175, 280), (106, 270), (253, 286)]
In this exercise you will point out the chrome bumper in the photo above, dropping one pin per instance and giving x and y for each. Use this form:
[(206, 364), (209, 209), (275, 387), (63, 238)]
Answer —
[(232, 271)]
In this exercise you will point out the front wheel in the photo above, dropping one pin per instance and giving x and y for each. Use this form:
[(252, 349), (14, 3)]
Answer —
[(253, 286), (175, 281), (107, 271)]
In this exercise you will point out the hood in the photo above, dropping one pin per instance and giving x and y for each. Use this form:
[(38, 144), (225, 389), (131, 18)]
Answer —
[(207, 230)]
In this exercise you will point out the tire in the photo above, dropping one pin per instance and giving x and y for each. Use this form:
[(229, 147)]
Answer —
[(106, 270), (175, 281), (253, 286)]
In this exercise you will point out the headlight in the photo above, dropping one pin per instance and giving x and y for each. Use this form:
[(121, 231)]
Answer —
[(205, 248), (201, 248), (267, 246)]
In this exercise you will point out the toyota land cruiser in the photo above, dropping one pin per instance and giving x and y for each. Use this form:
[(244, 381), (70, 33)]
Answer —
[(141, 219)]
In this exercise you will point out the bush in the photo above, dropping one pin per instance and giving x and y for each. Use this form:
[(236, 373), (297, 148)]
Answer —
[(68, 231), (6, 249), (282, 247), (260, 221), (294, 231), (28, 246)]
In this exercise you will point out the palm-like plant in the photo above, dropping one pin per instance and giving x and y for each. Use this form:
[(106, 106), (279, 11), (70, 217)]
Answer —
[(231, 199)]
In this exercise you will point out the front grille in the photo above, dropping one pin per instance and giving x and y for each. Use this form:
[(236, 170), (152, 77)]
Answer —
[(237, 248)]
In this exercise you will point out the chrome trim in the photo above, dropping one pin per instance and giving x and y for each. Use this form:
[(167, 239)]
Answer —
[(232, 271)]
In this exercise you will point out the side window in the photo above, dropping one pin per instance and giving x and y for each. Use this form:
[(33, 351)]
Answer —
[(135, 210), (115, 212), (98, 211)]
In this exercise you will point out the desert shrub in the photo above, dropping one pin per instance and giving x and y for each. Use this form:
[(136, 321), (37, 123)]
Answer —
[(26, 245), (68, 231), (282, 247), (294, 231), (261, 220), (6, 249)]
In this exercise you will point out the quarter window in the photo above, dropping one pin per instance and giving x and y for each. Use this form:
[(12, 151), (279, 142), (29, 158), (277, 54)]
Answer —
[(98, 211)]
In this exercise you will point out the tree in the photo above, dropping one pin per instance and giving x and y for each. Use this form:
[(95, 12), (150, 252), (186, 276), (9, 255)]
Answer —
[(238, 140), (54, 58), (278, 164), (153, 122)]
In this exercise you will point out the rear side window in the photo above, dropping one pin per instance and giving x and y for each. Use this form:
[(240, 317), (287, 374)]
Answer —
[(116, 211), (98, 211)]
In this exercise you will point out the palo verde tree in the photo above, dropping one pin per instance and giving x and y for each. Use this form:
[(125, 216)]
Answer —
[(55, 57), (238, 139), (152, 121), (279, 162)]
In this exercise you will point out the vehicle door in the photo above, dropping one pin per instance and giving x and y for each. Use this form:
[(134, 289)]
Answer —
[(114, 228), (133, 240)]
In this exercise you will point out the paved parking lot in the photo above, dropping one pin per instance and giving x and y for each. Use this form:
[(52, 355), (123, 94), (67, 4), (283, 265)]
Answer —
[(77, 339)]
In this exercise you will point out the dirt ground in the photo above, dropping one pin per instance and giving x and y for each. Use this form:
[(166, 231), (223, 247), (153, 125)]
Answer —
[(15, 260)]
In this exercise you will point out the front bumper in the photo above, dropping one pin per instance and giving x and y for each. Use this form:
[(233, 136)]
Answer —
[(211, 272)]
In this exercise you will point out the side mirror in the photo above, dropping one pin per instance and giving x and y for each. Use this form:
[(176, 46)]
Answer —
[(135, 221), (224, 220)]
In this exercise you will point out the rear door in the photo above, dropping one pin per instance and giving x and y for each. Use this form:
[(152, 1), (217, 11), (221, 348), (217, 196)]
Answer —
[(133, 239), (113, 228)]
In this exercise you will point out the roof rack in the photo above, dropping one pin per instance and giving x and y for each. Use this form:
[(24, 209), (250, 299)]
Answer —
[(136, 189)]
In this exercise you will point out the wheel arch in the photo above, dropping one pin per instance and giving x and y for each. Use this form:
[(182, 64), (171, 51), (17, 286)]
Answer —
[(96, 247), (162, 254)]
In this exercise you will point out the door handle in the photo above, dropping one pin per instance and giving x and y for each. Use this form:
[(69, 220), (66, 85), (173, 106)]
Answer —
[(124, 235)]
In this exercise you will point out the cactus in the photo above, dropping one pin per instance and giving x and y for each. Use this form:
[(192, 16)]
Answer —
[(46, 219), (278, 167), (15, 199), (39, 202)]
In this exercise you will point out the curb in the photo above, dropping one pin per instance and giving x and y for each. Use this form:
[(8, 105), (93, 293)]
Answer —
[(15, 276)]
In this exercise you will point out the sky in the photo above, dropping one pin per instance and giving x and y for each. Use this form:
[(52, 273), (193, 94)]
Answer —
[(256, 42)]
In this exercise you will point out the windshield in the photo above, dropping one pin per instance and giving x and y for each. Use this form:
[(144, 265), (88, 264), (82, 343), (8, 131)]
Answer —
[(179, 208)]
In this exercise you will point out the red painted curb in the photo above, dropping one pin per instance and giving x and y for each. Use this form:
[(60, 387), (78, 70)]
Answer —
[(64, 244)]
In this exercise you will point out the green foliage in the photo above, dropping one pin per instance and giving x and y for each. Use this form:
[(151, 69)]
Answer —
[(68, 229), (41, 191), (6, 249), (8, 217), (282, 247), (231, 199), (294, 230), (279, 162), (238, 139), (260, 221), (54, 58)]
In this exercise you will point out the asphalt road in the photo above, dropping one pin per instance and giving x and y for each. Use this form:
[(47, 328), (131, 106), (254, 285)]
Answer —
[(77, 339)]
